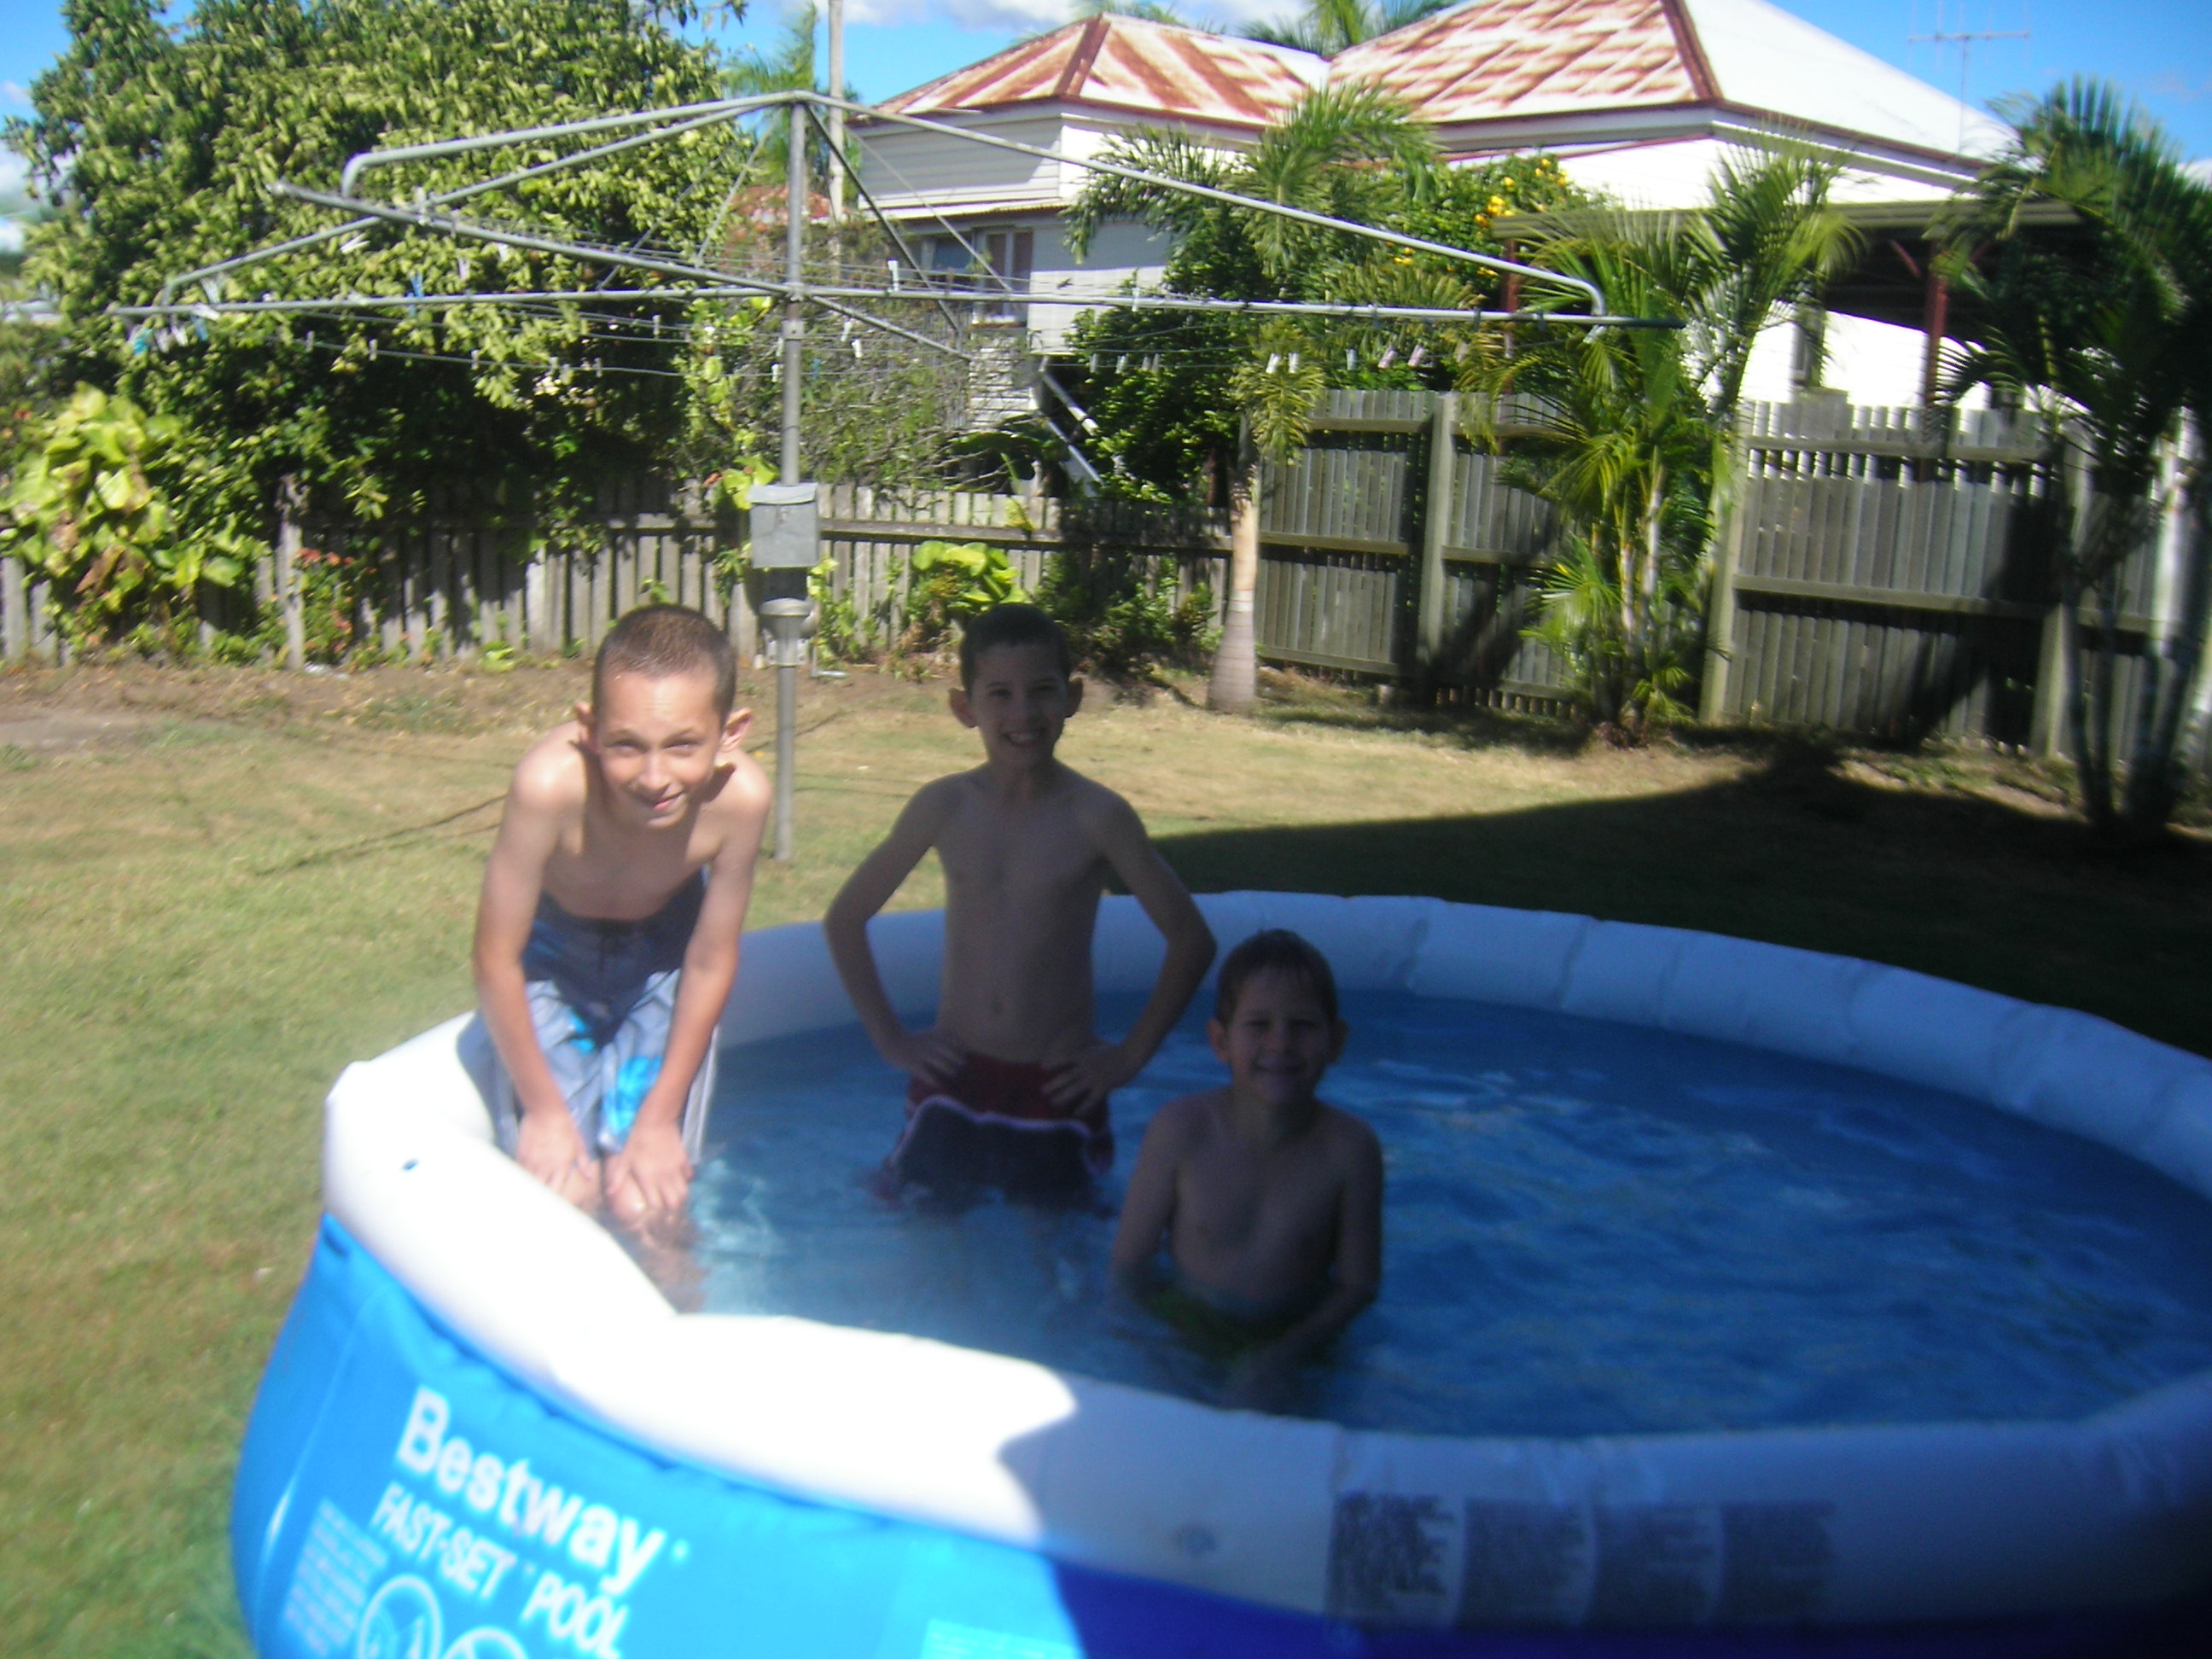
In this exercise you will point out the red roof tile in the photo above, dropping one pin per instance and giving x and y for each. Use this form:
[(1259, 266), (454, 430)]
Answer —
[(1501, 57), (1128, 63)]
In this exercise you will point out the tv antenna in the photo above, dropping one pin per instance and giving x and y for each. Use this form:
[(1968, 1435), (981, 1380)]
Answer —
[(1965, 39)]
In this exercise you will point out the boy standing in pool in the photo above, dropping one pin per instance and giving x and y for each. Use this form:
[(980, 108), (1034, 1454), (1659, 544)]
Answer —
[(607, 933), (1009, 1087), (1269, 1201)]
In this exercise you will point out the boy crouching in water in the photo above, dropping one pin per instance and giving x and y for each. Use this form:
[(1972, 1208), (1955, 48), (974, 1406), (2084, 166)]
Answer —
[(1010, 1086), (1270, 1201), (607, 935)]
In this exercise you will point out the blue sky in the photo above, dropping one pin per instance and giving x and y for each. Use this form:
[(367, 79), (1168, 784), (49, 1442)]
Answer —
[(2159, 49)]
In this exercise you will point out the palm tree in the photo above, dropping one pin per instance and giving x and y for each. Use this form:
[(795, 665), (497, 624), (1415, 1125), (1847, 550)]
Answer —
[(2110, 343), (1329, 27), (1348, 152), (791, 66), (1632, 425), (1152, 11)]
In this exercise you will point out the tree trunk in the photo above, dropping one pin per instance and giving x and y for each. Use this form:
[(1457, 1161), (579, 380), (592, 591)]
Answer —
[(1235, 683), (291, 509)]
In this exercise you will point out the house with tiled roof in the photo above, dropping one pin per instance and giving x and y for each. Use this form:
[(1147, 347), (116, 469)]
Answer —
[(1637, 98)]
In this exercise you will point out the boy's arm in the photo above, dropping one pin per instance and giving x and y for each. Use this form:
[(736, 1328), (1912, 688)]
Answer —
[(653, 1172), (1129, 851), (930, 1055), (1148, 1208), (547, 1143)]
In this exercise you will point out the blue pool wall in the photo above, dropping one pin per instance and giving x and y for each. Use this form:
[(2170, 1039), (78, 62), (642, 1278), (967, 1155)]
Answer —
[(888, 1495)]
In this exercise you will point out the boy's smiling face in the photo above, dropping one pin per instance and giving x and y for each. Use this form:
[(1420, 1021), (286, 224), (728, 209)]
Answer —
[(1018, 703), (660, 741), (1279, 1041)]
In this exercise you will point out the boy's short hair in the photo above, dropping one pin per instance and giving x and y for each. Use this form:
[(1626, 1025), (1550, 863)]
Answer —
[(1011, 625), (1278, 950), (663, 639)]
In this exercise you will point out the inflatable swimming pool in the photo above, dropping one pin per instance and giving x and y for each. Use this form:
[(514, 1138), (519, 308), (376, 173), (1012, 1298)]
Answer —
[(483, 1434)]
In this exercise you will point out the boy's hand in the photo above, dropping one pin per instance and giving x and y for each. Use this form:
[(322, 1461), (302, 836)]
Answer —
[(934, 1056), (652, 1174), (1086, 1080), (548, 1145)]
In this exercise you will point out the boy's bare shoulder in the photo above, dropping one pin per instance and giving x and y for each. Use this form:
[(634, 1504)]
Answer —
[(1185, 1116), (551, 778), (1348, 1137), (742, 795), (940, 798), (1098, 808)]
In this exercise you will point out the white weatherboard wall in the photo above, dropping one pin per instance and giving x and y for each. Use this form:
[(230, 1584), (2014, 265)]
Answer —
[(1945, 1519)]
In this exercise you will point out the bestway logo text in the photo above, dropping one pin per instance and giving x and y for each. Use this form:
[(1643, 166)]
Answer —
[(595, 1536)]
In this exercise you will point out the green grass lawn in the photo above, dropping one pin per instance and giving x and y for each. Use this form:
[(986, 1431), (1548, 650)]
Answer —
[(217, 890)]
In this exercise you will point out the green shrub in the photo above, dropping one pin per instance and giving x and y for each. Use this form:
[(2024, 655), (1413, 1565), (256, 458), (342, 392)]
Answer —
[(95, 511), (1123, 622), (951, 581)]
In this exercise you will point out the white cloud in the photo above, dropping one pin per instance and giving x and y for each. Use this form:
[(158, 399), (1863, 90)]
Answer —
[(15, 94), (993, 14)]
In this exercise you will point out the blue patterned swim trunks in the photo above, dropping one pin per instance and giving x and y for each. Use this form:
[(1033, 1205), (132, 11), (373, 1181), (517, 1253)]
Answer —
[(602, 996)]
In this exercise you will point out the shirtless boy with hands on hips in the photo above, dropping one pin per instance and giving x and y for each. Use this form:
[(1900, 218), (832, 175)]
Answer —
[(1027, 845)]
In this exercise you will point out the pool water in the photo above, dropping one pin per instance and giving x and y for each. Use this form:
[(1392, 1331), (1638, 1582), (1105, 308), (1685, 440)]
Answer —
[(1590, 1229)]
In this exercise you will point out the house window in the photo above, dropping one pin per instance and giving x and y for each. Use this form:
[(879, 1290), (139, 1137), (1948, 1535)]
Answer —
[(999, 259)]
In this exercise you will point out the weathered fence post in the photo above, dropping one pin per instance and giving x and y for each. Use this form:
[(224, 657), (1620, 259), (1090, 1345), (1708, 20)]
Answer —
[(14, 620), (290, 507), (1436, 534), (2046, 730)]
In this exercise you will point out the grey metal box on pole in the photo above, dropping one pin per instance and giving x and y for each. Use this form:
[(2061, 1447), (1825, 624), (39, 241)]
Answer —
[(786, 527)]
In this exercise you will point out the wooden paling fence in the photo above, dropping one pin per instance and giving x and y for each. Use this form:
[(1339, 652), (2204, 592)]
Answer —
[(1869, 578), (1875, 578)]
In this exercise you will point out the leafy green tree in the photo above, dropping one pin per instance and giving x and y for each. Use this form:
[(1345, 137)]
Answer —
[(1152, 11), (2108, 340), (1632, 425), (1188, 404), (157, 145)]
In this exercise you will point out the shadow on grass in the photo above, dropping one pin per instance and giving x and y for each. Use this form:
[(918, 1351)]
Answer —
[(1311, 698), (1798, 853), (1462, 728)]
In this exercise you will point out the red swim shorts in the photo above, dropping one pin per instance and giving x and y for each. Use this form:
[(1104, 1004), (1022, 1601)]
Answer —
[(992, 1124)]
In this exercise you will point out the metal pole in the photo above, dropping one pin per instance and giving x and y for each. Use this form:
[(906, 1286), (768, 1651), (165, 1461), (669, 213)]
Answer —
[(837, 115), (795, 326), (786, 745), (794, 311)]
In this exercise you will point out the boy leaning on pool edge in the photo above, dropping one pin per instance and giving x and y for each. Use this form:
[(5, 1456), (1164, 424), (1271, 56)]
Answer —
[(607, 933), (1010, 1086), (1269, 1200)]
